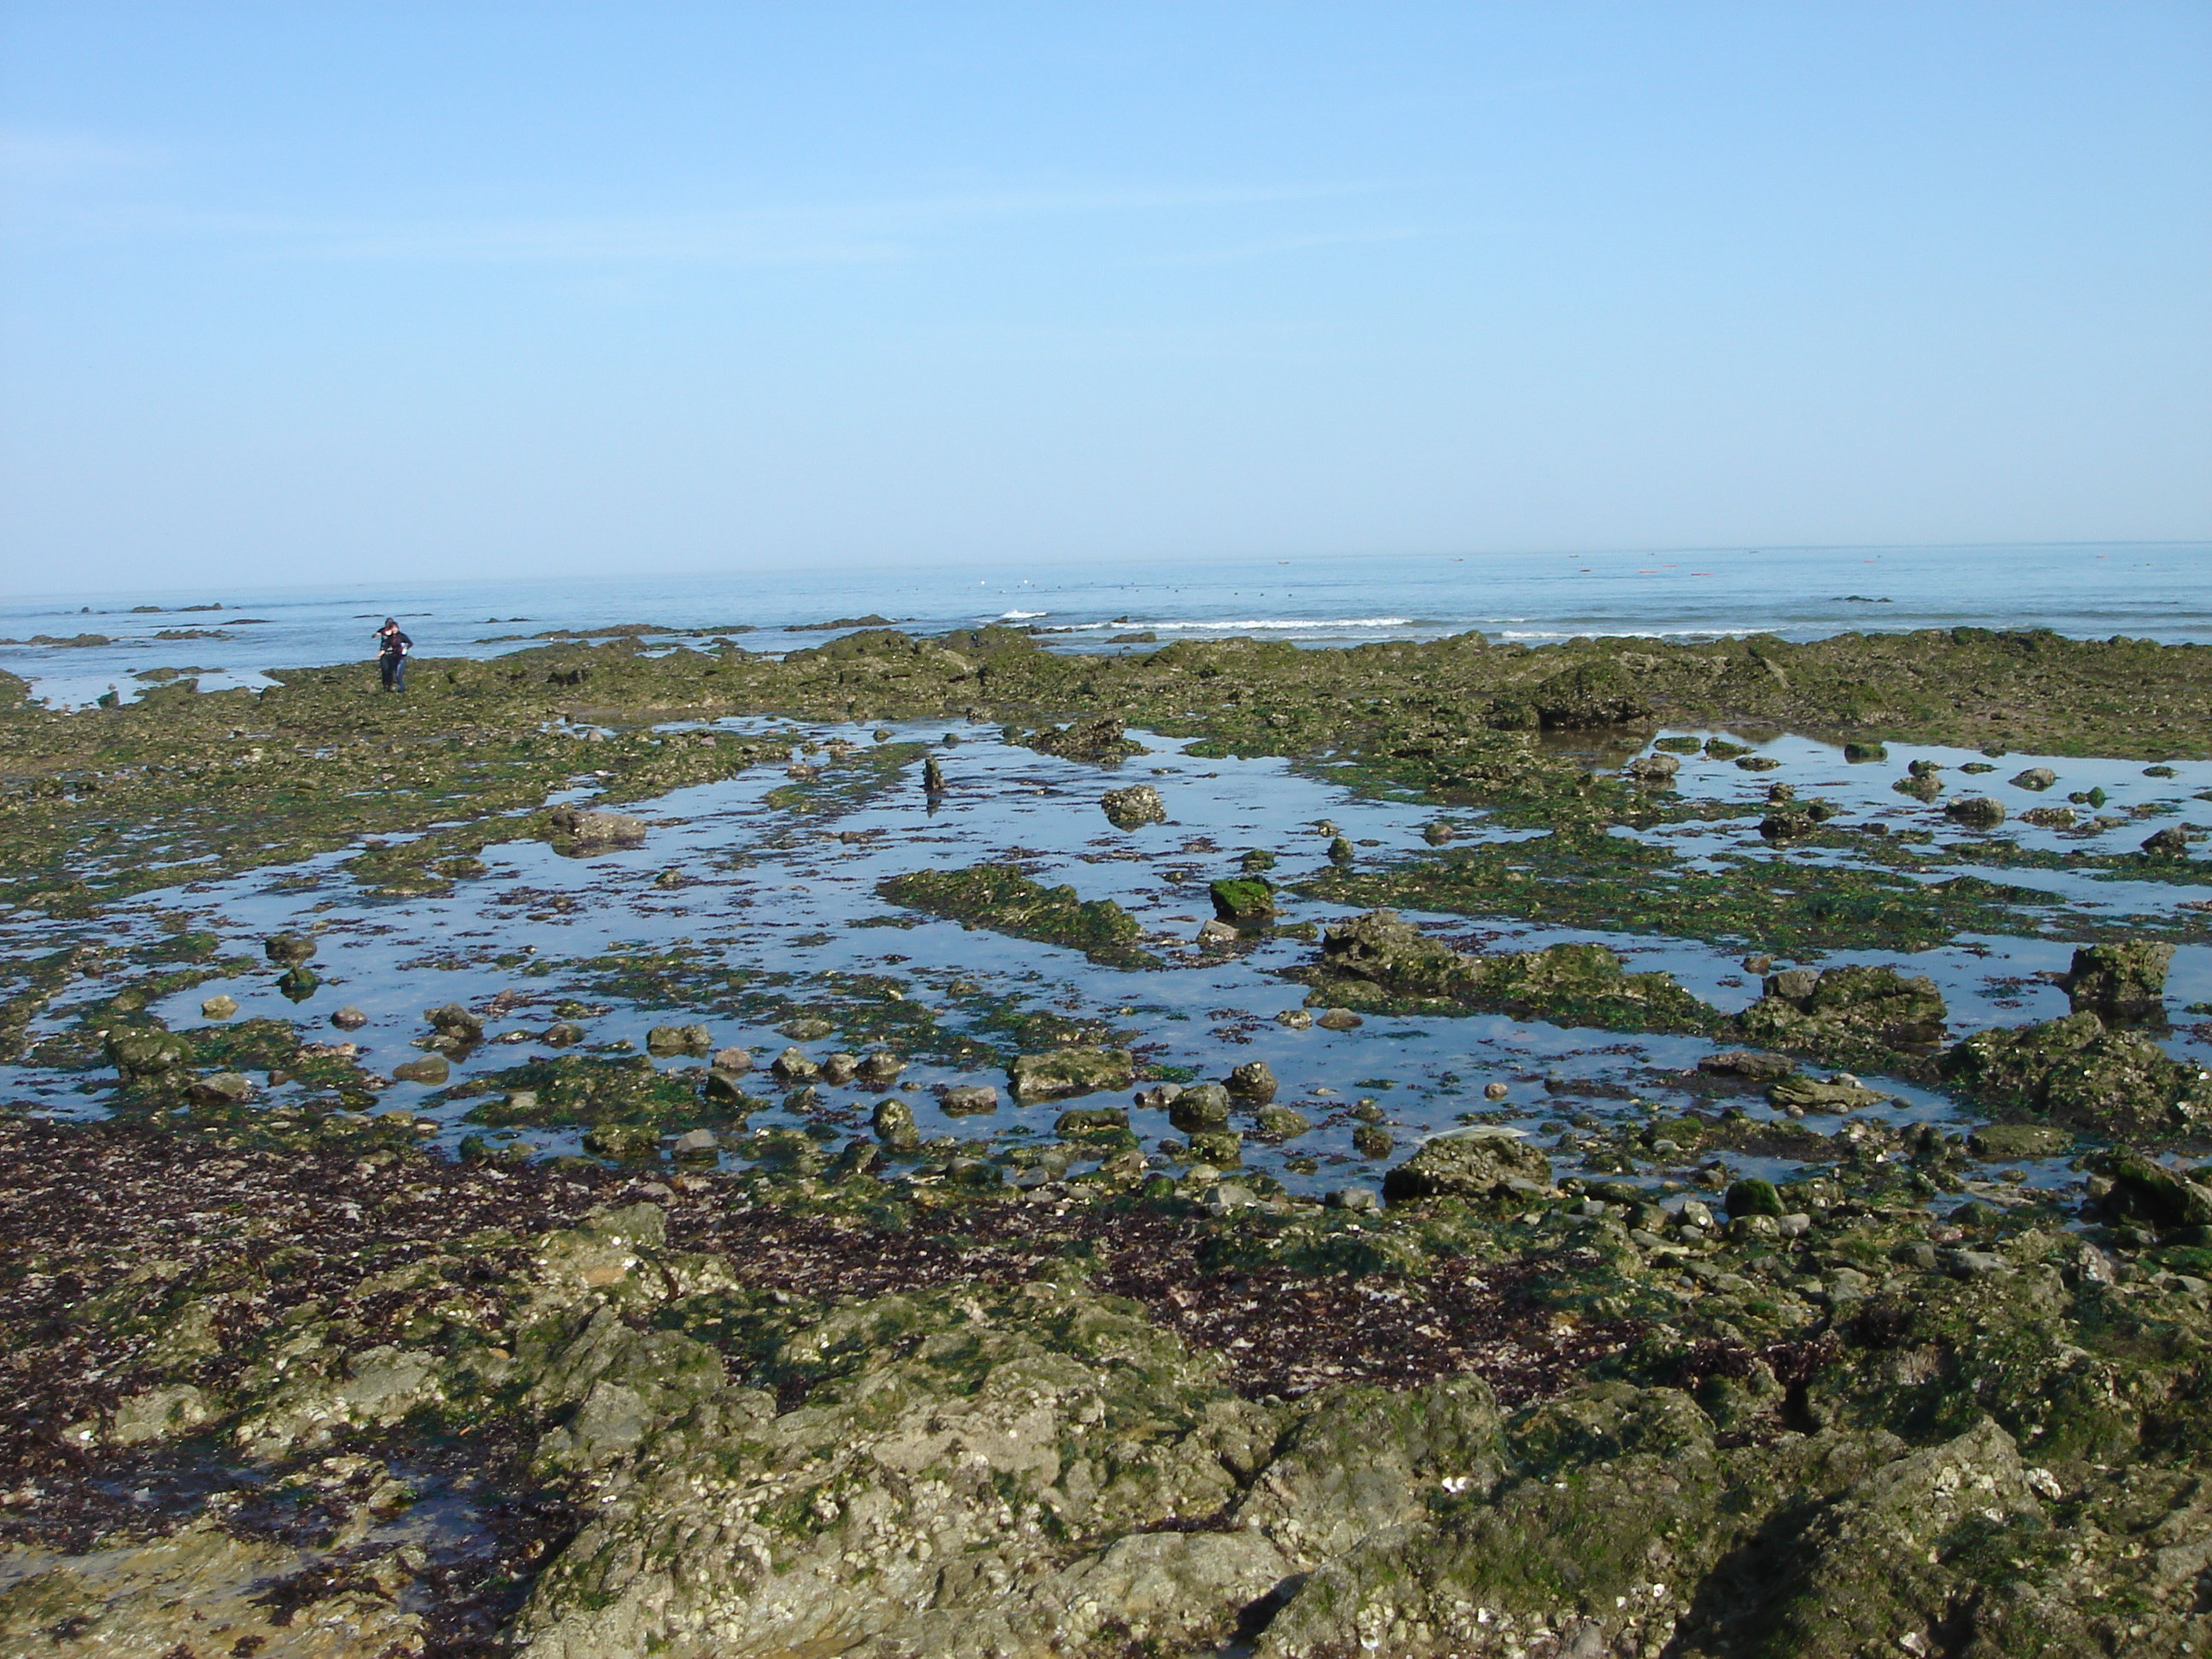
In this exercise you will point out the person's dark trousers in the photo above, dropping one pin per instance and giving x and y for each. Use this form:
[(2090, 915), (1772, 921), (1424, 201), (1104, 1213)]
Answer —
[(394, 670)]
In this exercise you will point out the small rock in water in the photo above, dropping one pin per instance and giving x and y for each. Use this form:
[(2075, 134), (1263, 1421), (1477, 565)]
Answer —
[(1216, 933), (806, 1030), (1139, 804), (2036, 777), (455, 1021), (575, 829), (1353, 1198), (1339, 1019), (1977, 812), (793, 1066), (696, 1143), (1373, 1141), (2171, 842), (1297, 1019), (666, 1040), (1438, 832), (431, 1069), (880, 1068), (221, 1005), (893, 1121), (288, 950), (1253, 1081), (969, 1100), (1201, 1106), (348, 1018), (669, 878), (840, 1068), (736, 1061), (222, 1088), (1496, 1091)]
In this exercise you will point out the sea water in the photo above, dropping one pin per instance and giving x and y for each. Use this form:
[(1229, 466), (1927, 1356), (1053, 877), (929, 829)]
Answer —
[(226, 636)]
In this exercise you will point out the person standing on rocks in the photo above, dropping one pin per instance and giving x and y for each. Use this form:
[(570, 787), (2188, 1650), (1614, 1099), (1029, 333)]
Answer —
[(392, 650)]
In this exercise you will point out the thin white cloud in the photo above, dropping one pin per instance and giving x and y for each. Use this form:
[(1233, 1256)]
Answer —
[(48, 161), (1272, 246), (853, 232)]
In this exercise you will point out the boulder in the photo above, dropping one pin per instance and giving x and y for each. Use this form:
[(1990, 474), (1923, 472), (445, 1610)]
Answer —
[(1067, 1071), (1224, 1148), (1099, 739), (1747, 1063), (794, 1066), (2120, 981), (1201, 1106), (221, 1005), (893, 1122), (666, 1040), (1977, 812), (735, 1061), (1253, 1081), (2036, 777), (2171, 842), (2147, 1191), (1138, 805), (1281, 1122), (575, 829), (1842, 1093), (1469, 1163), (1752, 1197), (1591, 694), (1847, 1008), (1083, 1121), (2075, 1071), (1243, 900), (1654, 769), (288, 950), (2004, 1142), (456, 1022), (139, 1053), (969, 1100), (224, 1089)]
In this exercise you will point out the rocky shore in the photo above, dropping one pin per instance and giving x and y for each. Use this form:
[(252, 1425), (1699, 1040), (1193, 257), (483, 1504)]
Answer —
[(969, 1319)]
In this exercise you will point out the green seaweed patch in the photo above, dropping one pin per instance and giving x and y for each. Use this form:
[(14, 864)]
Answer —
[(1590, 879), (586, 1089), (1001, 899)]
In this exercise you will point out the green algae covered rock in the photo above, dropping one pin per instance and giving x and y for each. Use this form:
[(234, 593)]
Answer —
[(1593, 694), (1067, 1071), (1471, 1164), (1243, 900), (1573, 984), (2120, 981), (2076, 1073), (1857, 1013), (961, 1478), (1753, 1197), (999, 897), (2004, 1142)]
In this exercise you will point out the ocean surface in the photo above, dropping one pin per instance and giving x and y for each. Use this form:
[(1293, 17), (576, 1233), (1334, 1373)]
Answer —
[(226, 636)]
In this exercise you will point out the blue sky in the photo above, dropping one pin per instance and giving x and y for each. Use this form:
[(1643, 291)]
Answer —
[(296, 292)]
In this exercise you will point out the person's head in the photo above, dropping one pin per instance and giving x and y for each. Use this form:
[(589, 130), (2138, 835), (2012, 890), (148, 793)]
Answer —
[(391, 626)]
